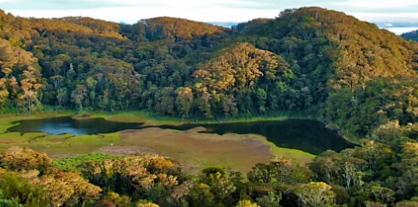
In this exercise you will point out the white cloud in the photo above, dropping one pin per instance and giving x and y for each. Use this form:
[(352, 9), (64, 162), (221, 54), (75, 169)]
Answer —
[(180, 3), (401, 30), (386, 17), (207, 14), (130, 11), (378, 4)]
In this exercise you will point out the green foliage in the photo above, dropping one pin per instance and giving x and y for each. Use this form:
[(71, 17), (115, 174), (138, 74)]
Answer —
[(363, 110), (16, 192), (315, 194), (72, 163), (17, 158), (280, 170), (9, 202)]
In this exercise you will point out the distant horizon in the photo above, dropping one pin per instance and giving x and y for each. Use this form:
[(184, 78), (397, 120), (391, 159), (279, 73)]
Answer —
[(395, 29), (383, 13)]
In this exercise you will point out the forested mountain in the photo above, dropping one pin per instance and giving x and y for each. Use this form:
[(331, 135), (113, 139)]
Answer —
[(306, 59), (411, 35), (335, 50)]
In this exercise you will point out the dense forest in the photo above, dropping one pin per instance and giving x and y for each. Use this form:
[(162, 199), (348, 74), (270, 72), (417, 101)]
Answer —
[(310, 59)]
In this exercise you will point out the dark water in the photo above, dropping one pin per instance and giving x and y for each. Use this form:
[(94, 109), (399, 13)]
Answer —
[(62, 125), (306, 135)]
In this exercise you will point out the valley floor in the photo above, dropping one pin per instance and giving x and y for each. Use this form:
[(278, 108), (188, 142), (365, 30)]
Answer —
[(191, 149)]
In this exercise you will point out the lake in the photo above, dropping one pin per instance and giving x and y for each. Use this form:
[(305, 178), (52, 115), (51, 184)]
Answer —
[(306, 135)]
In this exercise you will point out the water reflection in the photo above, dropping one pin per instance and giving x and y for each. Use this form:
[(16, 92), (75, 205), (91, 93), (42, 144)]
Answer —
[(61, 125), (306, 135)]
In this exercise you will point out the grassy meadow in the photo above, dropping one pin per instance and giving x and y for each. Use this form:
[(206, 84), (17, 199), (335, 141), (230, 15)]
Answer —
[(191, 149)]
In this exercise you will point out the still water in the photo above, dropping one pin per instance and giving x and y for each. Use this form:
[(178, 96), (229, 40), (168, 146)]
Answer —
[(306, 135), (62, 125)]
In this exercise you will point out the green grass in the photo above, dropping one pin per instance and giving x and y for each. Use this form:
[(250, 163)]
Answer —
[(301, 156), (298, 155), (71, 163), (60, 145), (276, 116), (150, 118), (137, 117), (85, 147)]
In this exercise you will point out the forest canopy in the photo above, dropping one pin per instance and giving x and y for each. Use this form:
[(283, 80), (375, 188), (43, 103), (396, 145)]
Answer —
[(307, 59)]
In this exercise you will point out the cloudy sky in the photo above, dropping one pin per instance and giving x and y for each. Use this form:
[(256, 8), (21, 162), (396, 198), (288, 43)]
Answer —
[(396, 15)]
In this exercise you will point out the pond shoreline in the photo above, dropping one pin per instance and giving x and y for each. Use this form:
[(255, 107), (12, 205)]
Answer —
[(240, 152), (301, 133), (155, 121), (82, 144), (147, 119)]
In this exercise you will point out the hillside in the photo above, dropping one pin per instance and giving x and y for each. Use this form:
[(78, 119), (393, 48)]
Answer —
[(351, 75), (182, 68), (343, 50), (333, 53)]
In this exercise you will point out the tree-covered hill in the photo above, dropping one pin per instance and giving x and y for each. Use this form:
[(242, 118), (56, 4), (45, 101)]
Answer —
[(411, 35), (332, 54), (334, 49), (301, 60)]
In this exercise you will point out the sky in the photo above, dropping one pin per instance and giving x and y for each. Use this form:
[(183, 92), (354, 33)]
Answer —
[(396, 15)]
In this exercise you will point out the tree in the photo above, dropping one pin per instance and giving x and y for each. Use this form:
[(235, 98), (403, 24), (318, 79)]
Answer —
[(18, 158), (408, 167), (30, 87), (16, 192), (146, 204), (201, 195), (381, 194), (114, 199), (279, 170), (246, 203), (261, 100), (4, 93), (78, 95), (272, 199), (184, 100), (340, 169), (315, 194), (407, 204), (62, 96), (220, 186), (377, 155), (69, 188)]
